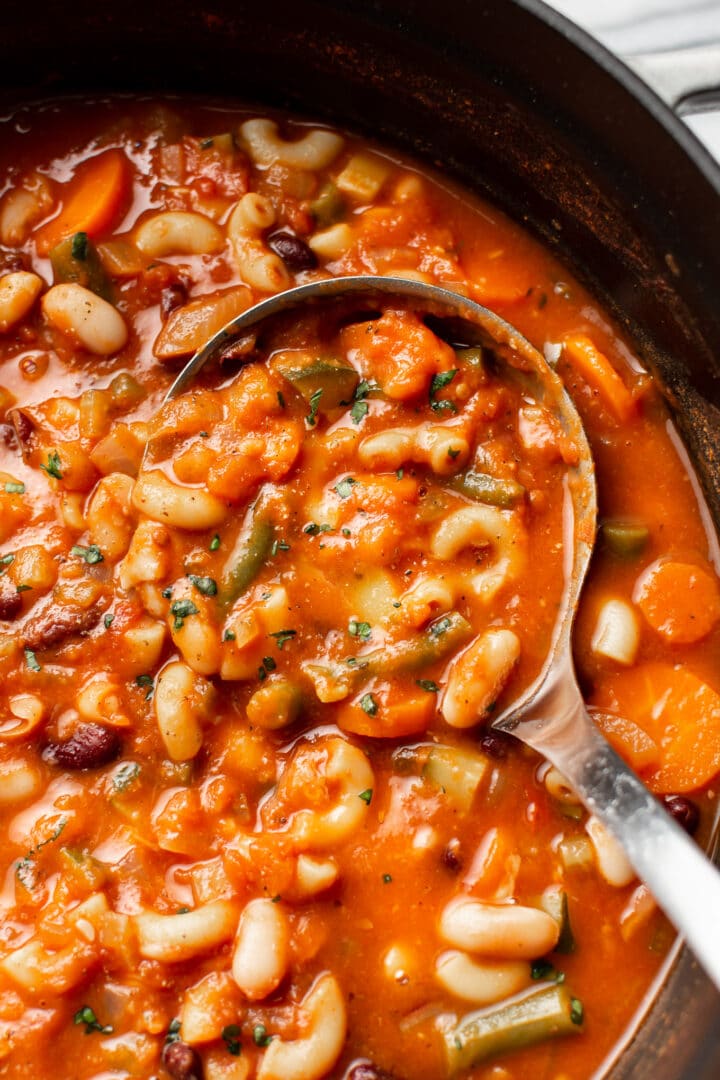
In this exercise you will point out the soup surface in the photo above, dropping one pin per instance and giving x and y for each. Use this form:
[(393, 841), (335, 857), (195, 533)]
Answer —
[(253, 819)]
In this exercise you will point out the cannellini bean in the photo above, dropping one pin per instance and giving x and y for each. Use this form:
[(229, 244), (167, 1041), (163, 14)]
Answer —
[(504, 931), (110, 515), (347, 772), (18, 293), (617, 632), (178, 232), (558, 788), (172, 938), (22, 207), (260, 954), (612, 861), (478, 675), (148, 557), (260, 268), (19, 780), (333, 242), (89, 320), (482, 982), (484, 526), (182, 507), (315, 150), (314, 1054), (182, 700), (314, 875), (143, 643)]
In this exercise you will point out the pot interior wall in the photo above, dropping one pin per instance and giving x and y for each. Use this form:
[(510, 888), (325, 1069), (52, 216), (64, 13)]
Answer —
[(499, 96)]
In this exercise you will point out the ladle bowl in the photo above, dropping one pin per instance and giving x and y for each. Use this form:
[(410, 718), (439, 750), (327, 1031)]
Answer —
[(550, 714)]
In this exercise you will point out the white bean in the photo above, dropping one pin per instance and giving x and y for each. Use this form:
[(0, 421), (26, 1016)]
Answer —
[(612, 861), (109, 515), (314, 875), (181, 700), (503, 931), (18, 293), (478, 675), (89, 320), (260, 954), (315, 150), (617, 633), (311, 1056), (482, 982), (178, 232)]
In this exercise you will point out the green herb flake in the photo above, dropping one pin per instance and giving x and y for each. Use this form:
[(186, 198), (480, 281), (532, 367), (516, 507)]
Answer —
[(108, 620), (214, 543), (359, 411), (439, 382), (13, 488), (346, 533), (173, 1032), (369, 705), (54, 465), (5, 562), (361, 630), (31, 660), (453, 453), (344, 487), (79, 246), (314, 406), (260, 1036), (86, 1016), (231, 1038), (541, 970), (429, 685), (399, 473), (440, 627), (229, 635), (125, 775), (577, 1012), (268, 663), (205, 585), (281, 399), (281, 636), (279, 545), (91, 554), (182, 609), (146, 683), (23, 588), (366, 796)]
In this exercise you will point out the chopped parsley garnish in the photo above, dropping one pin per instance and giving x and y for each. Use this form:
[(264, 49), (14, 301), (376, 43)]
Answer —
[(577, 1013), (453, 453), (439, 382), (314, 406), (279, 545), (366, 796), (91, 554), (215, 542), (260, 1035), (87, 1017), (346, 532), (281, 399), (206, 585), (399, 473), (108, 620), (359, 411), (268, 663), (5, 562), (229, 635), (182, 609), (369, 705), (125, 775), (146, 682), (359, 629), (230, 1035), (14, 488), (79, 246), (262, 673), (312, 529), (345, 486), (429, 685), (23, 588), (31, 660), (54, 466), (281, 636), (440, 627), (173, 1032)]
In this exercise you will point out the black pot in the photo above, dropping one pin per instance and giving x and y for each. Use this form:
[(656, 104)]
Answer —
[(518, 104)]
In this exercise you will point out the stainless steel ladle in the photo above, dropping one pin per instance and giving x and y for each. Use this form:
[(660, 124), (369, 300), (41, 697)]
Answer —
[(550, 715)]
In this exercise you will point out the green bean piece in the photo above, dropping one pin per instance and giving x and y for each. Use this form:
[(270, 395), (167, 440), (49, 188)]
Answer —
[(540, 1014), (75, 260), (472, 357), (555, 902), (247, 560), (625, 538), (337, 382), (489, 489), (441, 637), (329, 206)]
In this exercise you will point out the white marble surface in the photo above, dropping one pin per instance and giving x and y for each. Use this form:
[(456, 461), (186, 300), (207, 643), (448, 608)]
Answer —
[(630, 27)]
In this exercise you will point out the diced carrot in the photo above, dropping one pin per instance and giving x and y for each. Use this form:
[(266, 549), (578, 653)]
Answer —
[(681, 601), (493, 867), (677, 711), (93, 201), (600, 375), (397, 714)]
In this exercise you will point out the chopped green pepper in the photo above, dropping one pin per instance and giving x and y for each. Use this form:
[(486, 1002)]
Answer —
[(325, 383), (247, 559), (75, 259), (488, 489), (625, 538)]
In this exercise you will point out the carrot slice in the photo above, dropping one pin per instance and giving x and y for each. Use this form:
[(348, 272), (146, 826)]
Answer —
[(387, 715), (681, 601), (94, 198), (600, 375), (677, 711)]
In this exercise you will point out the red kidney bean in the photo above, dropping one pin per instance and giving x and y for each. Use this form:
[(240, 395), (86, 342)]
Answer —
[(10, 601), (451, 857), (12, 261), (683, 810), (173, 296), (293, 251), (496, 744), (181, 1061), (89, 747)]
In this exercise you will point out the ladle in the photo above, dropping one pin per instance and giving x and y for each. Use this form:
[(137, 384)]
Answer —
[(550, 715)]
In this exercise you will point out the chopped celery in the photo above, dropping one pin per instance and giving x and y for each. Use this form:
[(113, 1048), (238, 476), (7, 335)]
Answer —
[(457, 772), (555, 903), (625, 538), (247, 559), (540, 1014), (329, 206), (489, 489), (336, 381), (75, 260), (473, 357)]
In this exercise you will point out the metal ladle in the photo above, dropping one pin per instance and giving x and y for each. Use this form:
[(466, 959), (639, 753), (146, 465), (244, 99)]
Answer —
[(550, 715)]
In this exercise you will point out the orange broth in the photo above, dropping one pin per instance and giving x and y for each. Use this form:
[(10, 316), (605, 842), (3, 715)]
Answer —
[(246, 773)]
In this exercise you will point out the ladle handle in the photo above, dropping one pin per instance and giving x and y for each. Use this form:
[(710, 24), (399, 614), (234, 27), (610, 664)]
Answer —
[(682, 880)]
